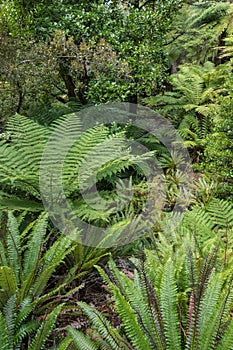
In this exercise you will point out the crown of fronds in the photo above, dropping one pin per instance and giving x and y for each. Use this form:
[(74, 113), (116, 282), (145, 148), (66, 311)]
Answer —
[(157, 312)]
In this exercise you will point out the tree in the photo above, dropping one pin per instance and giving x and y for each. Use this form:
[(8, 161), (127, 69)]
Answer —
[(133, 31)]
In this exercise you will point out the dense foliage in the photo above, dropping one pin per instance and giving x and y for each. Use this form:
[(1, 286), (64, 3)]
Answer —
[(171, 288)]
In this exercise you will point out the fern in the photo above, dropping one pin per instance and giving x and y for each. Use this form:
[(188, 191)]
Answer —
[(38, 342), (88, 156), (80, 341), (25, 266), (177, 300), (168, 299), (104, 327)]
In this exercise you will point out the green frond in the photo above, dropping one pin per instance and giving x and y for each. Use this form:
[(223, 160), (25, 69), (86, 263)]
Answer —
[(227, 339), (221, 212), (9, 312), (24, 310), (169, 301), (210, 314), (14, 245), (130, 322), (8, 280), (103, 326), (25, 330), (65, 344), (137, 297), (34, 247), (79, 153), (213, 13), (3, 255), (81, 341), (20, 159), (38, 342), (3, 333), (14, 203), (51, 260)]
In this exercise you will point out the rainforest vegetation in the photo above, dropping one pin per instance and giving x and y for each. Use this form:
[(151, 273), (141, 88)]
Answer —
[(171, 286)]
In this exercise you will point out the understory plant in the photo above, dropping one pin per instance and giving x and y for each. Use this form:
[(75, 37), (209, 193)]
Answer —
[(30, 297), (179, 295), (175, 307)]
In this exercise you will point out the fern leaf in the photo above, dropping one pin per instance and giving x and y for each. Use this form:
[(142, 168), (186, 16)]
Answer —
[(168, 300), (34, 246), (65, 344), (8, 280), (131, 323), (103, 327), (227, 339), (10, 315), (14, 245), (3, 333), (51, 260), (210, 317), (38, 342), (81, 341)]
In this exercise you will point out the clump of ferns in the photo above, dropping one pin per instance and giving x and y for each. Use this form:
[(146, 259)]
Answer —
[(183, 301)]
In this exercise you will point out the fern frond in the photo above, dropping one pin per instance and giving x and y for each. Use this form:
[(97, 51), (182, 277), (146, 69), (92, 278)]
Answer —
[(14, 245), (53, 257), (10, 316), (130, 322), (38, 342), (34, 246), (210, 317), (3, 333), (65, 344), (168, 300), (104, 327), (8, 280), (221, 212), (25, 309), (227, 339), (81, 341), (25, 330)]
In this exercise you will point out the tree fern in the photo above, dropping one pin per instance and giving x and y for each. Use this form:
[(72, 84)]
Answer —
[(89, 156)]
